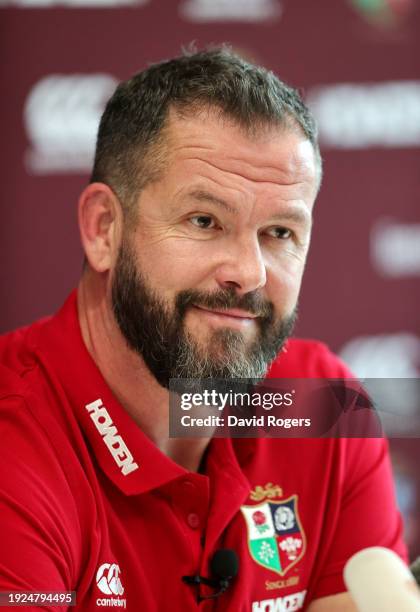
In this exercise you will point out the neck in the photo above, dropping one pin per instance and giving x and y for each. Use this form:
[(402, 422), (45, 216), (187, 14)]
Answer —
[(127, 375)]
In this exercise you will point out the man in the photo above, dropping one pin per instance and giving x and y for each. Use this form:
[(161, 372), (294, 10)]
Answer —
[(196, 227)]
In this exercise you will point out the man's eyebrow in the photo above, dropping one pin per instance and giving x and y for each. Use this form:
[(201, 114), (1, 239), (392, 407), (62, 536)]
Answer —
[(201, 195), (295, 215), (300, 216)]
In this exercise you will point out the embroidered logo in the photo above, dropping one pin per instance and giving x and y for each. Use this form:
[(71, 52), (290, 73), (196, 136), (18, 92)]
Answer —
[(116, 445), (108, 579), (276, 539), (268, 491), (109, 583)]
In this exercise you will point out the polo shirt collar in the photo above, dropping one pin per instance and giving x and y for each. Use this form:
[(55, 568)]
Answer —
[(126, 455)]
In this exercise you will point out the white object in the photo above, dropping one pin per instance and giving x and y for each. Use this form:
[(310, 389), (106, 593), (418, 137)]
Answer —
[(378, 581)]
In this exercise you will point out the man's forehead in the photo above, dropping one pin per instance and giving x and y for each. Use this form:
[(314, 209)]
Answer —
[(271, 153)]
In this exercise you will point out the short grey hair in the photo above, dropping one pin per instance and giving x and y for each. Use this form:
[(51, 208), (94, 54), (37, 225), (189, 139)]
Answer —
[(129, 152)]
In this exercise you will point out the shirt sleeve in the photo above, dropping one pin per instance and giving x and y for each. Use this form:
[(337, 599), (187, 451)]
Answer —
[(366, 515), (39, 529)]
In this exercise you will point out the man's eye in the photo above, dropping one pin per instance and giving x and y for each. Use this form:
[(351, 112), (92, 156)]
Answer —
[(281, 233), (203, 221)]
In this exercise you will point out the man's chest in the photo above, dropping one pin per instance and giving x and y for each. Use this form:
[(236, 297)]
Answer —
[(147, 544)]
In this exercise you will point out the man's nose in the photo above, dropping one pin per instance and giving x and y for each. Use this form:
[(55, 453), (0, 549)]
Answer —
[(243, 267)]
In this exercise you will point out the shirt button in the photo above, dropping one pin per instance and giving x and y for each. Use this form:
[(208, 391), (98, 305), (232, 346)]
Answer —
[(193, 520)]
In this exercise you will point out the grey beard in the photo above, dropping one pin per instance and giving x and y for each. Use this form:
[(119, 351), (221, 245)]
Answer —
[(233, 361)]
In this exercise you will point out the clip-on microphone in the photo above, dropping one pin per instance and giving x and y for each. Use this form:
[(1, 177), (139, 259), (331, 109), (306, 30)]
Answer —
[(224, 567)]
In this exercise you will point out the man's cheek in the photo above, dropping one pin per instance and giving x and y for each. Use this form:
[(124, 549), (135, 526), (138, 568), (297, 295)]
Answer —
[(170, 274), (283, 293)]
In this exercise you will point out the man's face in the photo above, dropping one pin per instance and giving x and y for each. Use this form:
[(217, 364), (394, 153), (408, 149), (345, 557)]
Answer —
[(206, 284)]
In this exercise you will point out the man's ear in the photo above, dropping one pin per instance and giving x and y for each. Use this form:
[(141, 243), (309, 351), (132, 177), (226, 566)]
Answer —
[(100, 224)]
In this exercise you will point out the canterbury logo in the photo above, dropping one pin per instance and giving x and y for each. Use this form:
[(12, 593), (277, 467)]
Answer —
[(108, 579), (69, 106), (116, 445)]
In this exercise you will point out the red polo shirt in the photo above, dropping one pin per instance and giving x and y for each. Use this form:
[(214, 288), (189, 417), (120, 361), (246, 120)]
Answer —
[(89, 504)]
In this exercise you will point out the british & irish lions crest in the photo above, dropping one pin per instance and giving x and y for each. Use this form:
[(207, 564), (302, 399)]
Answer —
[(276, 539)]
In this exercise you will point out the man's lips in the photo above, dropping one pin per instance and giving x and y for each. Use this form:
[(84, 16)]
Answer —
[(234, 313)]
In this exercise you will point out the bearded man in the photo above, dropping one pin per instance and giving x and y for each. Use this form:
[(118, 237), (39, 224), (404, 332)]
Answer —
[(196, 226)]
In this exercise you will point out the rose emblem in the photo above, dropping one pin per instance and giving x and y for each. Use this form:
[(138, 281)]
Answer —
[(260, 521), (259, 517)]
